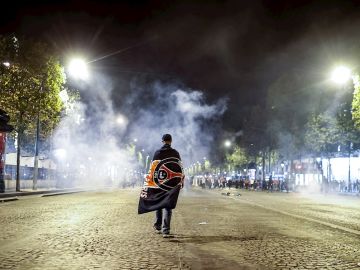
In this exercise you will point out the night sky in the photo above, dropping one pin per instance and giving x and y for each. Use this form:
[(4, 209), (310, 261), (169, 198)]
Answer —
[(224, 48)]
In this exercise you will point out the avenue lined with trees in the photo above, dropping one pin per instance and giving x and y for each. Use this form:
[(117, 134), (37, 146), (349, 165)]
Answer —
[(293, 123)]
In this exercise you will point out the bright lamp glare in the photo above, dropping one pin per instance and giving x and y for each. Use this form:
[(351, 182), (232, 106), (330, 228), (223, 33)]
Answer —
[(341, 75), (227, 143), (121, 120), (60, 153), (78, 69)]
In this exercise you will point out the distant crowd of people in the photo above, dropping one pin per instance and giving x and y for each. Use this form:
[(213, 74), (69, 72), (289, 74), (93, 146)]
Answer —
[(343, 186), (240, 183), (270, 185)]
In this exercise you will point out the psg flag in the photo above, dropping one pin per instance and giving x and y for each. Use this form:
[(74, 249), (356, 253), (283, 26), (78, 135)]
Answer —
[(162, 185)]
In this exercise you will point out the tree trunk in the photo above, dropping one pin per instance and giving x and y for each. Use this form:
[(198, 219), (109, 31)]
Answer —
[(36, 157), (329, 171), (2, 160), (18, 152), (327, 183), (18, 162), (349, 169), (322, 171), (263, 165), (270, 161), (290, 176)]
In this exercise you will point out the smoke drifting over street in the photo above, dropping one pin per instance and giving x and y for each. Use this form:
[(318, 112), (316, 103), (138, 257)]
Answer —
[(86, 141), (181, 112), (96, 144)]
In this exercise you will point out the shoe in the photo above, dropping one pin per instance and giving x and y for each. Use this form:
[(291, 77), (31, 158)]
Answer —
[(158, 231), (166, 235)]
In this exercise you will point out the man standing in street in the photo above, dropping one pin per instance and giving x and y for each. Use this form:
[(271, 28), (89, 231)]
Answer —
[(162, 186)]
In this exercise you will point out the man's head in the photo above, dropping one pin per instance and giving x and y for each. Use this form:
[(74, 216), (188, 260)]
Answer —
[(166, 139)]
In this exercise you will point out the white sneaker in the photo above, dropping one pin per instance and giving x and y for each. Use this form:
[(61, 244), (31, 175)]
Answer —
[(156, 230)]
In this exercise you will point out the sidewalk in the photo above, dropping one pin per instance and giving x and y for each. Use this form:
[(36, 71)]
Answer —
[(27, 192)]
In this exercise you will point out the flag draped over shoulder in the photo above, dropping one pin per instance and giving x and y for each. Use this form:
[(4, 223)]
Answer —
[(162, 185)]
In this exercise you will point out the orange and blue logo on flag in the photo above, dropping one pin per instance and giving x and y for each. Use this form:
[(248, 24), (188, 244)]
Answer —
[(165, 174), (162, 185)]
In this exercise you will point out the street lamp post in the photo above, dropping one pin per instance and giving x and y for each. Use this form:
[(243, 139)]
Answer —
[(205, 164), (36, 156), (349, 171), (341, 75), (77, 68), (227, 144)]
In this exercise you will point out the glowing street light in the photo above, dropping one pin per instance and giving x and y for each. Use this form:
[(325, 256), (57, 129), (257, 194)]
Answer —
[(6, 64), (78, 69), (341, 75), (227, 143), (60, 153), (282, 167), (121, 120)]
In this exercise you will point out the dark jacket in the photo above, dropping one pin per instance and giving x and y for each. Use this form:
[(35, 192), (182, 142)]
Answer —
[(155, 194), (166, 152)]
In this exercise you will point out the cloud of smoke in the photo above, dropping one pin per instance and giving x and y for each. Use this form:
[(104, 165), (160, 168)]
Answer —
[(95, 144), (181, 112), (87, 147)]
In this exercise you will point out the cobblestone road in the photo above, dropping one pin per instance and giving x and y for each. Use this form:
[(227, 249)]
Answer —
[(101, 230)]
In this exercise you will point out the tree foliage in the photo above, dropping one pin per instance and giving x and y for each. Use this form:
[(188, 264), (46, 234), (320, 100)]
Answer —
[(356, 102), (238, 158), (321, 134), (30, 84)]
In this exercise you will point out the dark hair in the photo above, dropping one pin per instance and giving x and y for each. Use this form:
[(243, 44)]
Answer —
[(166, 138)]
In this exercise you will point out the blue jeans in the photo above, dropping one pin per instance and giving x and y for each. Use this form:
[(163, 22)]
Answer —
[(163, 219)]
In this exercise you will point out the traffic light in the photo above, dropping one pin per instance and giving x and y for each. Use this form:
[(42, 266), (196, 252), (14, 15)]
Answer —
[(4, 119)]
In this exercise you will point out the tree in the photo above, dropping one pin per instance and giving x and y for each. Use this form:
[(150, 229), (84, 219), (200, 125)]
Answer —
[(29, 87), (349, 133), (356, 102), (322, 136), (237, 158)]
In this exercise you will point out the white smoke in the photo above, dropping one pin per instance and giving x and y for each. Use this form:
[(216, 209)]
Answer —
[(95, 144), (181, 112), (87, 149)]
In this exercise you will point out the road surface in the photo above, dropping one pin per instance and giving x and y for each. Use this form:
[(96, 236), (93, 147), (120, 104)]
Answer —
[(256, 230)]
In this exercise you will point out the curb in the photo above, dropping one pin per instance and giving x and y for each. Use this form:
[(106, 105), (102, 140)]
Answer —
[(41, 192), (9, 199), (62, 193)]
